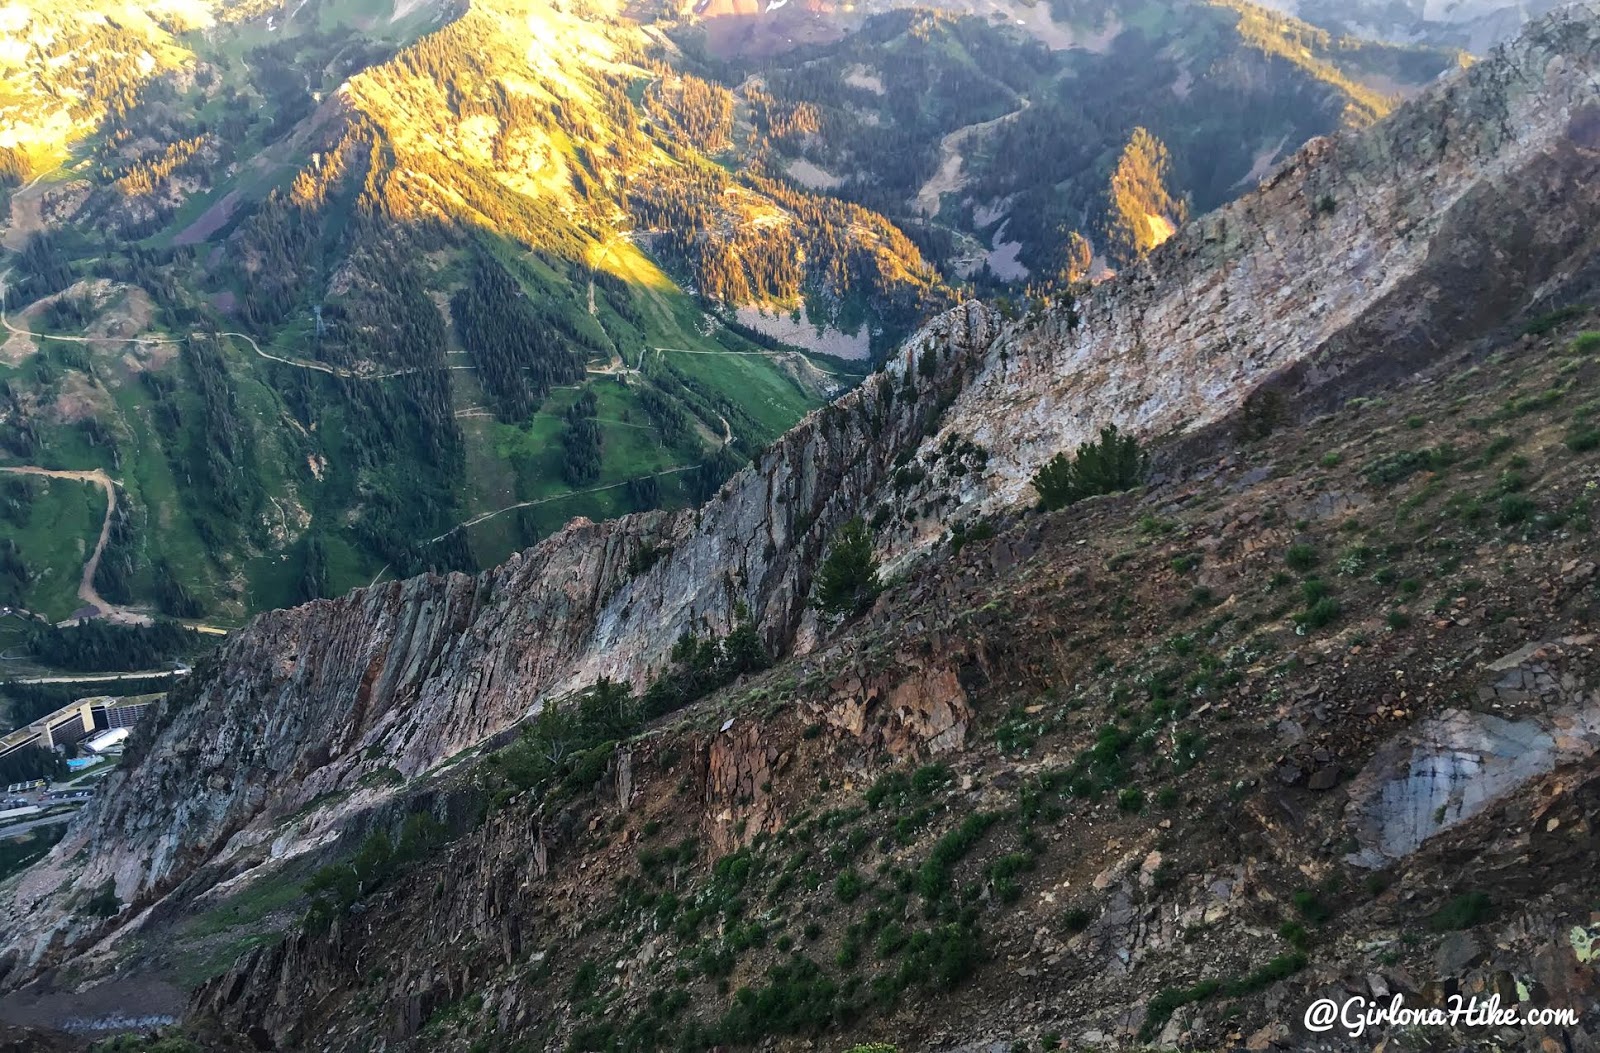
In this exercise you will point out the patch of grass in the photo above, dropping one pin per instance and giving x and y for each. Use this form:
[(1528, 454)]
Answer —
[(1463, 912), (933, 879), (19, 853), (1550, 322), (1584, 343), (1396, 467)]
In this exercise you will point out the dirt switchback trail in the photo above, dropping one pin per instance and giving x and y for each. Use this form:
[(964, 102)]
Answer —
[(86, 589)]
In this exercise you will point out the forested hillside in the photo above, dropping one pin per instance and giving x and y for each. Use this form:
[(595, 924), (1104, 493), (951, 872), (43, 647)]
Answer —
[(341, 290), (995, 143), (405, 290)]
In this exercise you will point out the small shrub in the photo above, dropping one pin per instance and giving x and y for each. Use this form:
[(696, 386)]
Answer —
[(1514, 509), (1583, 440), (1310, 907), (930, 777), (1300, 558), (1324, 612), (1003, 873), (585, 980), (1463, 912), (934, 878), (1114, 463)]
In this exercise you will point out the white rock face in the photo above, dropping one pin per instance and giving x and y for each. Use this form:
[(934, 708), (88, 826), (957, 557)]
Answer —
[(1459, 764), (1381, 239)]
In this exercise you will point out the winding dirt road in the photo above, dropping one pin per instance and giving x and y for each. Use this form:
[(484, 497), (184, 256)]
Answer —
[(86, 590), (485, 516), (298, 363)]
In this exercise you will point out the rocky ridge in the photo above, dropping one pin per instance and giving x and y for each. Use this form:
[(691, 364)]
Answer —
[(1357, 260), (1360, 261), (1400, 800)]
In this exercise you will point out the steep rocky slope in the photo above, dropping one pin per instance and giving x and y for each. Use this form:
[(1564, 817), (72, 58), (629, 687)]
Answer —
[(1106, 778), (1363, 260)]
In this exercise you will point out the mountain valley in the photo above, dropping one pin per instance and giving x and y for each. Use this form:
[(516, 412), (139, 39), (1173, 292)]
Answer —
[(712, 260)]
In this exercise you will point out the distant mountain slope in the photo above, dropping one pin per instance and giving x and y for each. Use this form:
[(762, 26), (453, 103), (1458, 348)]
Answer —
[(422, 230), (1475, 25), (1006, 133)]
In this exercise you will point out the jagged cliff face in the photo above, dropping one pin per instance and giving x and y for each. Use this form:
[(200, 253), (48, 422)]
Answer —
[(1359, 259), (1462, 205), (311, 703), (1383, 770)]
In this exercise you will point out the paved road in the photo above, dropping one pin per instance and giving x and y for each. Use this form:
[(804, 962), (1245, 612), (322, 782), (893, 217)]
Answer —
[(18, 829), (101, 678)]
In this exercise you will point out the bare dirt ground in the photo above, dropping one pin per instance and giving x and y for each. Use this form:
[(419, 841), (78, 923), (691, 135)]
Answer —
[(814, 176), (948, 179), (859, 76), (780, 324), (27, 215), (209, 222), (1056, 36), (1004, 263)]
